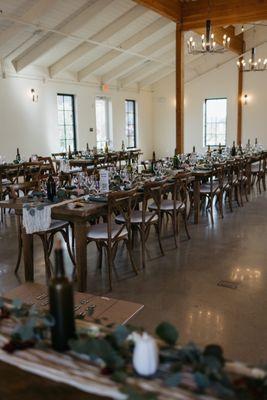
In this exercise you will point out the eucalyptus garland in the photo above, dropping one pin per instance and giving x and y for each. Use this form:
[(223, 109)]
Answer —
[(189, 367)]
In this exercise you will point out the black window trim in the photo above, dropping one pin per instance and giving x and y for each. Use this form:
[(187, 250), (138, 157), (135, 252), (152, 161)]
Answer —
[(74, 118), (135, 128)]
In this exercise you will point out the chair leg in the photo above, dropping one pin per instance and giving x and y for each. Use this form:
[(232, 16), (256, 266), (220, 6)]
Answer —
[(128, 245), (110, 265), (46, 256), (174, 226), (157, 228), (65, 234), (220, 199), (211, 210), (230, 199), (185, 225), (143, 247), (100, 255), (19, 246), (237, 195), (264, 182)]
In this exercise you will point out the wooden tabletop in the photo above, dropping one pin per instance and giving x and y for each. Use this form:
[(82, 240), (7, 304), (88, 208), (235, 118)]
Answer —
[(107, 309), (65, 211)]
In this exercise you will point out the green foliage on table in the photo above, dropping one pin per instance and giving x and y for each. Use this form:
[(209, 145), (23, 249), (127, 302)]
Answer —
[(189, 367), (98, 349), (168, 333)]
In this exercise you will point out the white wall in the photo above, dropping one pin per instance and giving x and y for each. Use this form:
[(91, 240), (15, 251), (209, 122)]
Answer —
[(33, 126), (221, 82)]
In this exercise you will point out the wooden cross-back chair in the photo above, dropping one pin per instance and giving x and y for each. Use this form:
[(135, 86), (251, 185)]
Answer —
[(177, 205), (47, 237), (213, 189), (9, 175), (258, 171), (109, 234), (142, 220), (47, 167)]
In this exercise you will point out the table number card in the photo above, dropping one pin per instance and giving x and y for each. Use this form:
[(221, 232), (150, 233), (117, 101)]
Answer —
[(104, 181)]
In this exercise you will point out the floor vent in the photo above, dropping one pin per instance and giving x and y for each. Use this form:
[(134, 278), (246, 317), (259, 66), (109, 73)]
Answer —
[(228, 284)]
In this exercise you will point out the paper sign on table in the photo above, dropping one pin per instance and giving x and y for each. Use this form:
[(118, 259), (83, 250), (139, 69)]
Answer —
[(104, 181)]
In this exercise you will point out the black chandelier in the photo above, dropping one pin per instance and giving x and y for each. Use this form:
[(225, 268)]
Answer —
[(252, 65), (208, 43)]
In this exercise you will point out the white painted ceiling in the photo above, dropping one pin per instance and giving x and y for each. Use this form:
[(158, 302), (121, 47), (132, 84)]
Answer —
[(114, 41)]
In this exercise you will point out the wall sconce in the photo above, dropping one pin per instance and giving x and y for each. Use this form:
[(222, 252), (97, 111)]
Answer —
[(245, 99), (34, 95)]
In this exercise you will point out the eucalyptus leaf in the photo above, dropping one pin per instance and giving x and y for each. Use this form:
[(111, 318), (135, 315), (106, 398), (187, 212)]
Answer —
[(201, 380), (98, 349), (17, 303), (2, 303), (173, 380), (25, 332), (119, 376), (120, 334), (168, 333)]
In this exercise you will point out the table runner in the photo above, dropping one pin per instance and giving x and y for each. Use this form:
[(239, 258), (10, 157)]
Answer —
[(76, 371)]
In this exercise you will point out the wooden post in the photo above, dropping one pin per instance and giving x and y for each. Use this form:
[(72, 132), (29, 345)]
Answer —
[(179, 89), (240, 105)]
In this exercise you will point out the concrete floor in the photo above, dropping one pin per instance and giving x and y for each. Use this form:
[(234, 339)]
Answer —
[(181, 287)]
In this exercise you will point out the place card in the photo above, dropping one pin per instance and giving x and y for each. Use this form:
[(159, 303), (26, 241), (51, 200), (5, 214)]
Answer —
[(103, 181)]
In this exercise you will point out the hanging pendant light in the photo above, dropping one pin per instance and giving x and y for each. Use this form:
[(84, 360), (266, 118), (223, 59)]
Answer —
[(208, 43), (252, 65)]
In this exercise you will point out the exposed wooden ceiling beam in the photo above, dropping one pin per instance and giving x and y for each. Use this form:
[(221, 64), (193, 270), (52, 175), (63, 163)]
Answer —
[(236, 44), (167, 8), (222, 12)]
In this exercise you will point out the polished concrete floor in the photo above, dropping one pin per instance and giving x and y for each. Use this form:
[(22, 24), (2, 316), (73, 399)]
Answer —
[(181, 287)]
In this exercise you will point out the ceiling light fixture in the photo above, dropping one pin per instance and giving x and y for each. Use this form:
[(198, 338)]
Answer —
[(252, 64), (208, 43)]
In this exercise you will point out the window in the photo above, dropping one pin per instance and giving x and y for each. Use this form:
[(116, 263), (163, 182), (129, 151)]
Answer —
[(103, 110), (215, 115), (66, 122), (130, 123)]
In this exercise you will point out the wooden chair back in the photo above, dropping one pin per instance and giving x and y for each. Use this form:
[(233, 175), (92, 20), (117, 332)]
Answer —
[(153, 190), (120, 203)]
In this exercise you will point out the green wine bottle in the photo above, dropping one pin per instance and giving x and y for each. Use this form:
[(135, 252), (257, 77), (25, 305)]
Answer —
[(61, 304)]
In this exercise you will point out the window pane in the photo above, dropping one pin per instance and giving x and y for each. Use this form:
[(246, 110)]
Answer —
[(130, 123), (68, 118), (215, 116), (69, 133), (60, 102), (61, 130), (103, 109), (66, 123), (60, 117), (68, 103)]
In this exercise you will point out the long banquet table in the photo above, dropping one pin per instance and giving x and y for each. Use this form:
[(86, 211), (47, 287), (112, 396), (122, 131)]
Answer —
[(80, 217)]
